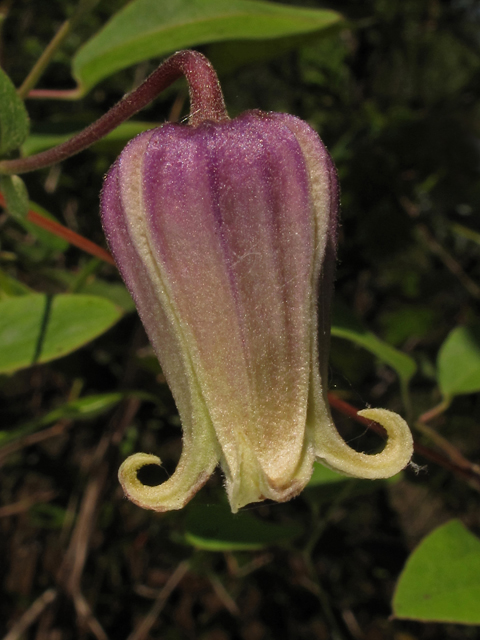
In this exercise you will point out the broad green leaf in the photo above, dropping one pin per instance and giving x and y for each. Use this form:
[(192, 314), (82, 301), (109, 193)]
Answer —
[(216, 528), (346, 326), (13, 116), (37, 328), (408, 322), (145, 29), (227, 57), (37, 142), (16, 196), (441, 580), (458, 361)]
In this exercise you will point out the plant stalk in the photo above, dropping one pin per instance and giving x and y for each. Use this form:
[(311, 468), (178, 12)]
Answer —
[(206, 103), (39, 67)]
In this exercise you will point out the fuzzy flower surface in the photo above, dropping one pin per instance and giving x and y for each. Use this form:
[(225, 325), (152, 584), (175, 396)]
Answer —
[(225, 235)]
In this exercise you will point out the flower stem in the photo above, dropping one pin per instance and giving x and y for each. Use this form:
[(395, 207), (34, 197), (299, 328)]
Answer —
[(206, 103), (39, 67)]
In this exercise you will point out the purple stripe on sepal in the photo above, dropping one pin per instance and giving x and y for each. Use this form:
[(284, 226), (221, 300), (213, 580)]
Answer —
[(239, 262), (225, 233)]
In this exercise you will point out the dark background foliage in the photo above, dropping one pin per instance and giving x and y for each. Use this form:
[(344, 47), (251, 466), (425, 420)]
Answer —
[(394, 95)]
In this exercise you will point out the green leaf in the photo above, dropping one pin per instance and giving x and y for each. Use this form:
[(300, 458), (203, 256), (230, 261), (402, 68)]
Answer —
[(408, 322), (441, 580), (37, 142), (216, 528), (227, 57), (326, 486), (458, 361), (465, 232), (323, 475), (16, 196), (13, 116), (38, 328), (116, 292), (86, 408), (145, 29), (345, 325)]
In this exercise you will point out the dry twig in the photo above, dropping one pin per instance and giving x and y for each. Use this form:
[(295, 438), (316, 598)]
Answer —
[(147, 623), (24, 505), (31, 614)]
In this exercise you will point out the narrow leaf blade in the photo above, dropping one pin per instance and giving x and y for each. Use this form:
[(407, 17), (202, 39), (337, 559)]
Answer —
[(38, 142), (215, 528), (346, 326)]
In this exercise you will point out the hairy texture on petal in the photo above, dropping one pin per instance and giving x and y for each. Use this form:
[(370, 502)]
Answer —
[(238, 264), (330, 448), (225, 234), (122, 206)]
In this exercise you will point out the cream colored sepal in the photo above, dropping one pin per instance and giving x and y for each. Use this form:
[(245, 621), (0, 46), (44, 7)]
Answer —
[(175, 492), (391, 460)]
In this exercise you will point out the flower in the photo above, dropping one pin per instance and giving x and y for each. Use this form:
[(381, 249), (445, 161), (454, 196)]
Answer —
[(225, 235)]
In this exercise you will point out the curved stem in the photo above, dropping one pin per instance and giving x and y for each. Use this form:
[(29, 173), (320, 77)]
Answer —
[(206, 103), (41, 64), (435, 411), (39, 67)]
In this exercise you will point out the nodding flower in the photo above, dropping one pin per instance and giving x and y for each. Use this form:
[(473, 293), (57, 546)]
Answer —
[(225, 234)]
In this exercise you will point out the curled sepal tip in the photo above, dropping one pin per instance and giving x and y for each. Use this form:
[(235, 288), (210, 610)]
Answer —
[(393, 458), (225, 233), (172, 494), (399, 447)]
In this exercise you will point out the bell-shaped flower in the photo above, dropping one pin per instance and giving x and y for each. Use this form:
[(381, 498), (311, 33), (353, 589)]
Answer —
[(225, 234)]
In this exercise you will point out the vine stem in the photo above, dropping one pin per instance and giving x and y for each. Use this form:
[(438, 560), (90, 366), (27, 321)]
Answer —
[(206, 103), (70, 236), (66, 234), (41, 64), (55, 43), (435, 411)]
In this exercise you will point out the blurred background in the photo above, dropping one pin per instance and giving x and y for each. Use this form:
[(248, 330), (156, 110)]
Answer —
[(392, 89)]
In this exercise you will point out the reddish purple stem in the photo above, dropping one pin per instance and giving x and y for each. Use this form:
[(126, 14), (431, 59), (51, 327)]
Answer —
[(206, 103)]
